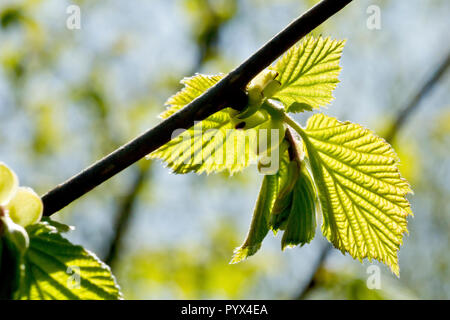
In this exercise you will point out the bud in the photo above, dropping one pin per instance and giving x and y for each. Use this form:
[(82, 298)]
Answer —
[(258, 84), (15, 234)]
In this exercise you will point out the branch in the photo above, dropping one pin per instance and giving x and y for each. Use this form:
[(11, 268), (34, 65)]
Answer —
[(228, 91)]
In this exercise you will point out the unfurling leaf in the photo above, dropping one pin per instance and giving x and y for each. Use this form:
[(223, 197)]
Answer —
[(57, 269), (301, 222), (260, 222), (308, 74), (361, 192)]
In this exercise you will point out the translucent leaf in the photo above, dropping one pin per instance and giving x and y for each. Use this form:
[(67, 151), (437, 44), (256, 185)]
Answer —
[(308, 73), (57, 269), (8, 184), (26, 207), (361, 192), (301, 224), (260, 222), (193, 88), (211, 145)]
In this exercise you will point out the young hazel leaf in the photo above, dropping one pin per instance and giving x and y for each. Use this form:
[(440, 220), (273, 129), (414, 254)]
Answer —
[(212, 145), (57, 269), (260, 221), (301, 224), (361, 192), (308, 73)]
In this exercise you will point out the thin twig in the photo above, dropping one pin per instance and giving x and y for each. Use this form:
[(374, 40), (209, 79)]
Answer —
[(227, 92)]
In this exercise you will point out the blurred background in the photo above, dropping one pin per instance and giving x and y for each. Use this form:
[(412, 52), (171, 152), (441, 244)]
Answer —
[(70, 96)]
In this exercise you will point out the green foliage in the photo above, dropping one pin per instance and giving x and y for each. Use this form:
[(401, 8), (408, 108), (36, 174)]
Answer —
[(340, 170), (211, 145), (37, 262), (57, 269), (301, 221), (308, 74), (361, 192)]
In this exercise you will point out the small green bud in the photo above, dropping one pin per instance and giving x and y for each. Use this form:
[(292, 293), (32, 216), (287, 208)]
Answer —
[(258, 84)]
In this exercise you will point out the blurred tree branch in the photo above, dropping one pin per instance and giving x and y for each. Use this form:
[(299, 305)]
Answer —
[(228, 91), (413, 104), (403, 115)]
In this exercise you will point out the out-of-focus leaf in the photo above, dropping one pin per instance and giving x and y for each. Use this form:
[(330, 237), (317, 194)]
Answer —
[(26, 207), (57, 269)]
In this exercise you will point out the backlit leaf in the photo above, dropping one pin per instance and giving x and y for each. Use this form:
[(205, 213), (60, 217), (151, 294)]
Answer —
[(57, 269), (260, 222), (361, 192)]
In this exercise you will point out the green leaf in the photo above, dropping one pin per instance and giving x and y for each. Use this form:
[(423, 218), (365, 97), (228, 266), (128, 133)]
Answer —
[(8, 184), (301, 224), (53, 267), (308, 73), (260, 222), (211, 145), (362, 195)]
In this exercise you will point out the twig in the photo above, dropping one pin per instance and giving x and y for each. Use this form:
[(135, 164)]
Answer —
[(227, 92)]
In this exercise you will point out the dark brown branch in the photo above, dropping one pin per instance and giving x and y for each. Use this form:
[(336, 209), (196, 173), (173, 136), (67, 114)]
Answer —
[(227, 92)]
